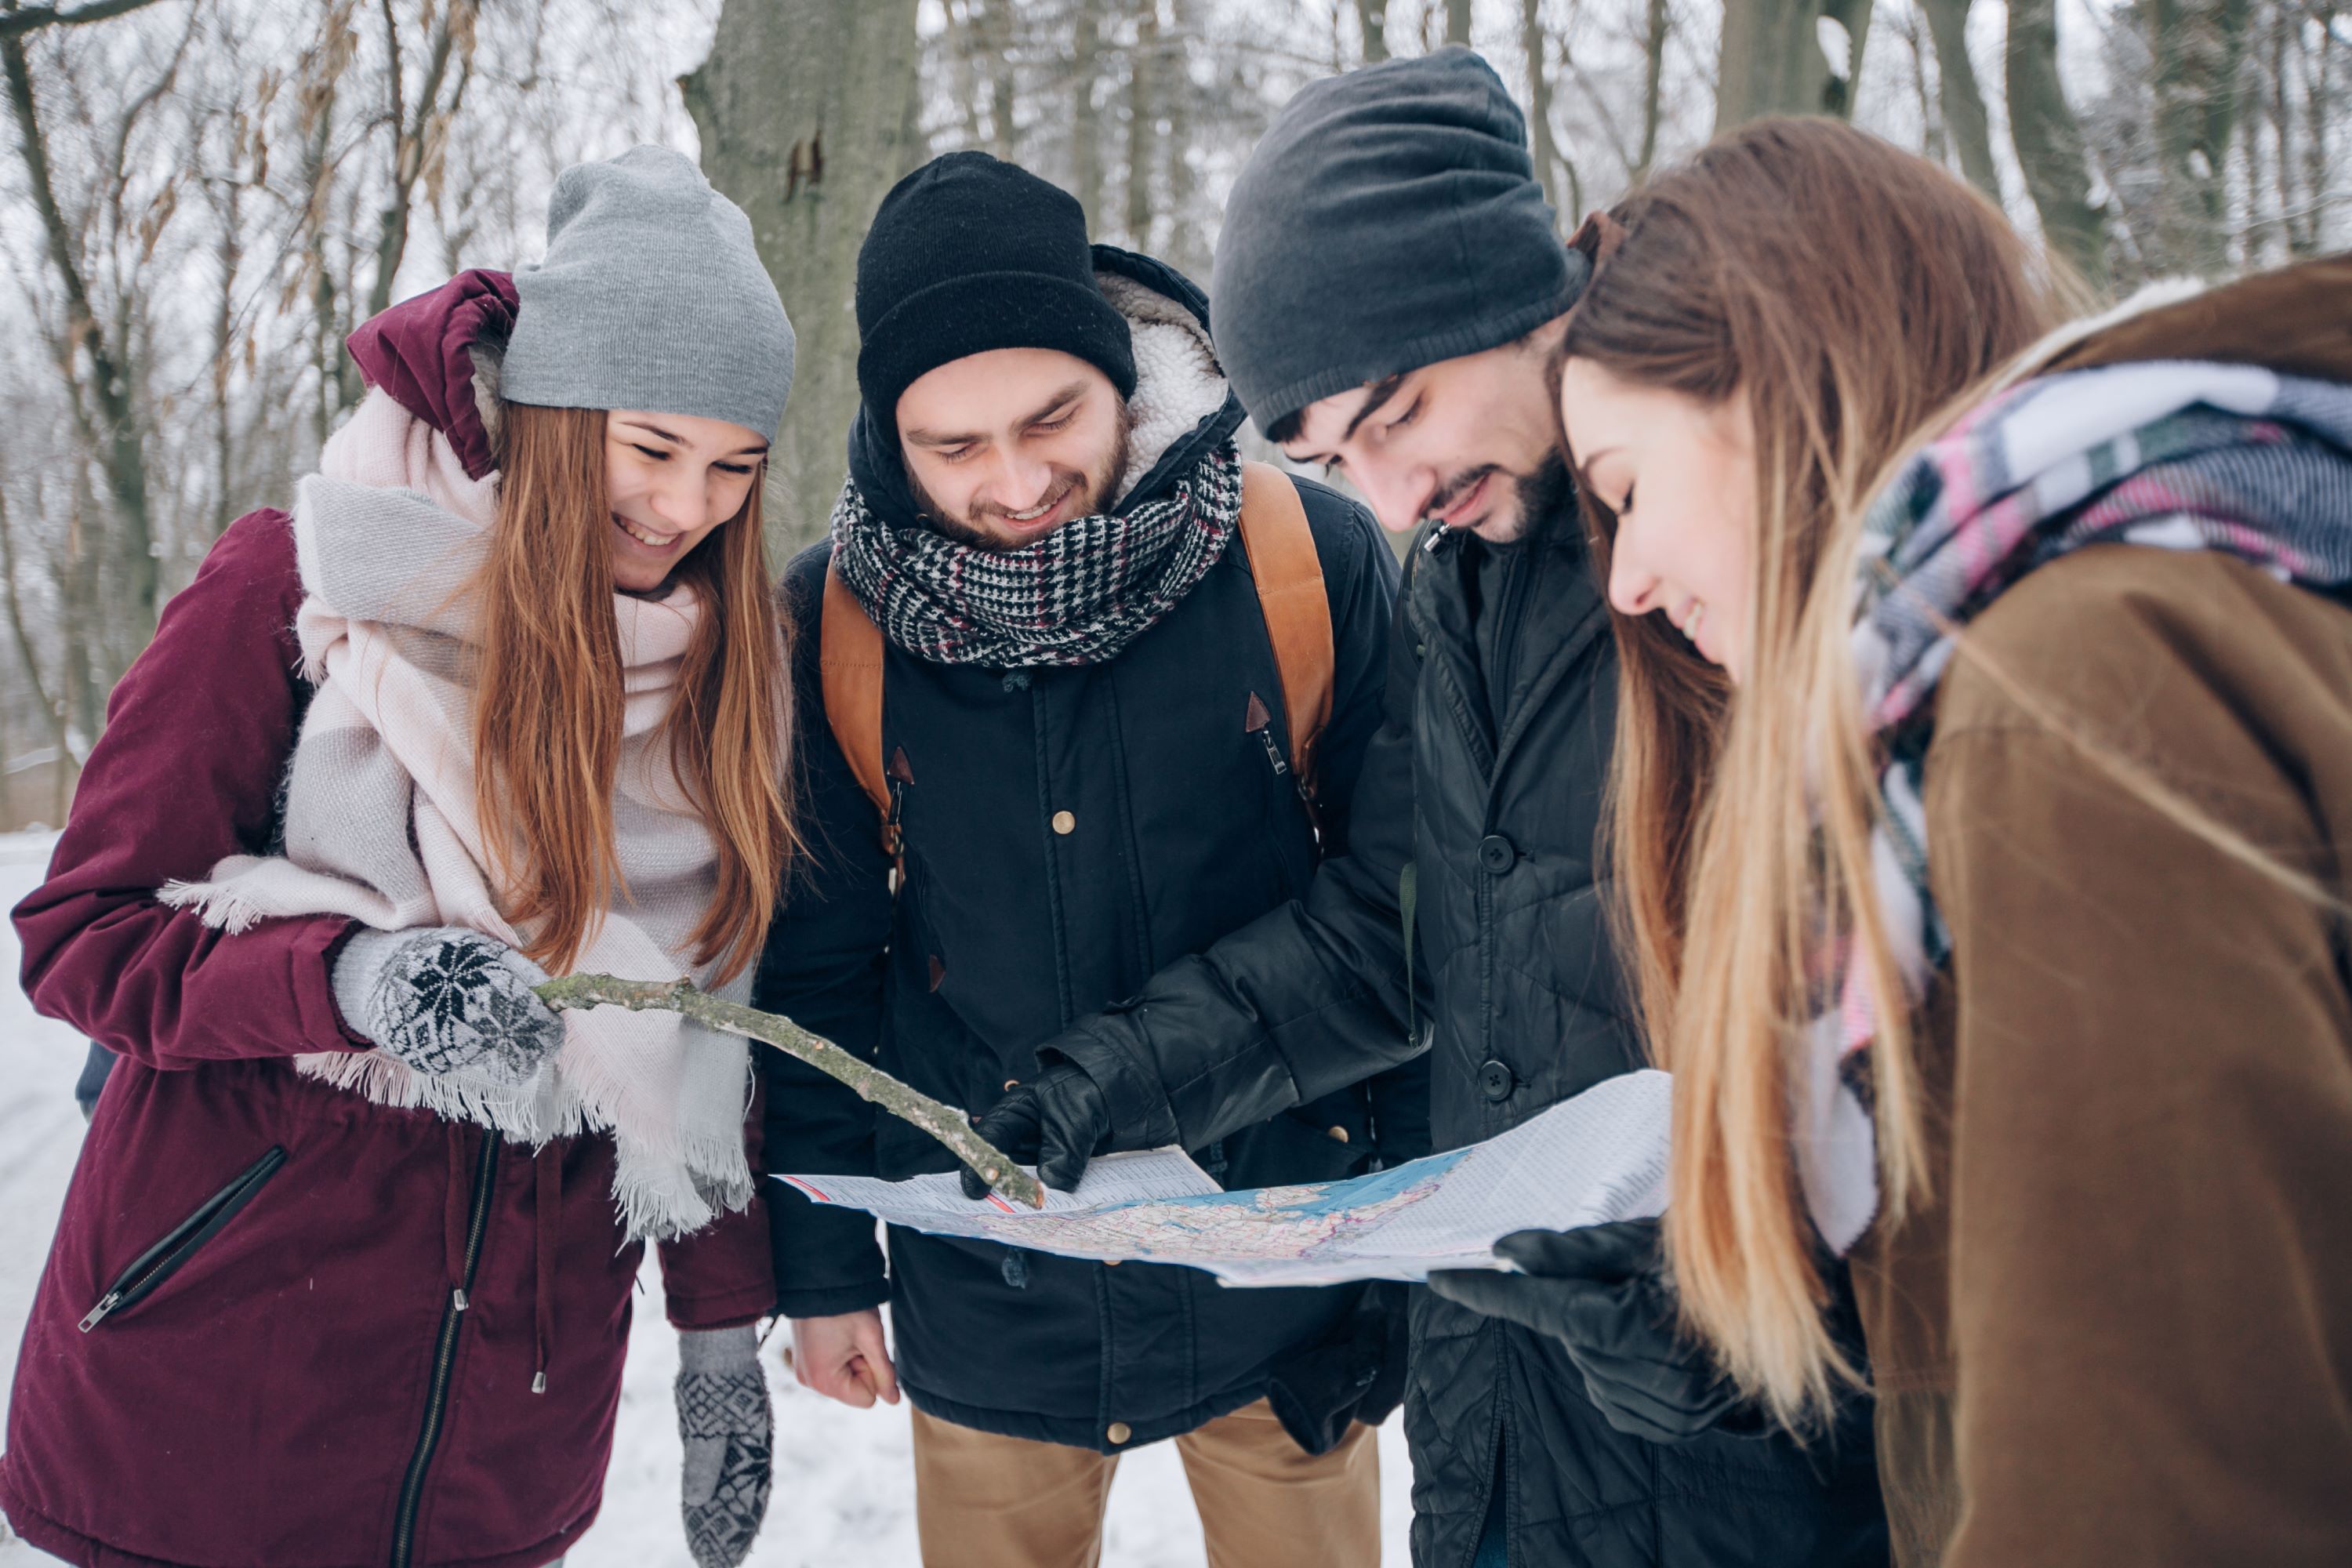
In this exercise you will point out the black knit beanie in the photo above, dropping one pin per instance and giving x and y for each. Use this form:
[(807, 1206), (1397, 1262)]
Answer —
[(968, 254)]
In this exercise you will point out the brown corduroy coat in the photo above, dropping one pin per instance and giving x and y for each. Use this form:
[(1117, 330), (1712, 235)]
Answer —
[(2119, 1330)]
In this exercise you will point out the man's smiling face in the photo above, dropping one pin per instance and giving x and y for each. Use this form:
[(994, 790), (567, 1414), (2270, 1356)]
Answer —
[(1005, 446), (1468, 441)]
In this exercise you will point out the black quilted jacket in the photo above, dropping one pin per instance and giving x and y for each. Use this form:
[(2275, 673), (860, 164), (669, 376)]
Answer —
[(1519, 1004)]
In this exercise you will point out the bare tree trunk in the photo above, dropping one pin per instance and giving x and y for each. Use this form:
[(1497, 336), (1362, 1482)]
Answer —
[(229, 211), (51, 705), (802, 107), (2196, 44), (418, 134), (1142, 123), (1085, 121), (992, 30), (1373, 22), (1654, 33), (2318, 95), (102, 397), (1457, 21), (1772, 59), (321, 75), (85, 691), (1933, 144), (1965, 119), (1535, 47), (2048, 141), (963, 24), (1186, 250)]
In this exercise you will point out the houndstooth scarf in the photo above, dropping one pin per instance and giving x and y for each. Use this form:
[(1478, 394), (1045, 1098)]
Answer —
[(1076, 597), (380, 826), (2177, 455)]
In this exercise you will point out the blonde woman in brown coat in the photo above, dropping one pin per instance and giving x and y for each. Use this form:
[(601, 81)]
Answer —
[(1983, 767)]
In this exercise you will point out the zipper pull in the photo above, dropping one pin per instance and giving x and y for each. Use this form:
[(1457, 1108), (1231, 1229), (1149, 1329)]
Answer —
[(459, 1296), (1437, 536), (106, 1304), (1258, 720)]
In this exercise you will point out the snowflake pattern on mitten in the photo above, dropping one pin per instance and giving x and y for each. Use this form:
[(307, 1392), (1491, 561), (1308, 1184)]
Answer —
[(729, 1437), (445, 1002)]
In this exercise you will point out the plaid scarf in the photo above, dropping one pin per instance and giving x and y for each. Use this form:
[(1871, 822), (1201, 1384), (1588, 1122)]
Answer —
[(1076, 597), (2177, 455)]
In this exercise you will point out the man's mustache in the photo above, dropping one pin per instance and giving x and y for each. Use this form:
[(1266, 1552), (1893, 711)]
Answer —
[(1455, 488)]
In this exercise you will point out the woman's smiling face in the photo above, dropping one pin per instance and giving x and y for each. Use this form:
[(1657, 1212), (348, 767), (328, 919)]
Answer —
[(670, 479), (1680, 475)]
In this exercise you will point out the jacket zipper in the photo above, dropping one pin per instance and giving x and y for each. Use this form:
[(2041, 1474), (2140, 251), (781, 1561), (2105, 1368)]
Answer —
[(162, 1260), (411, 1485)]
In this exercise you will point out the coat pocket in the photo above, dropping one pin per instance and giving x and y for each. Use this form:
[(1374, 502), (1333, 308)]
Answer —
[(161, 1261)]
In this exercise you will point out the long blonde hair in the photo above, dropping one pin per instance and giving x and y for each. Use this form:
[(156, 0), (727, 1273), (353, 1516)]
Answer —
[(1849, 291), (547, 707)]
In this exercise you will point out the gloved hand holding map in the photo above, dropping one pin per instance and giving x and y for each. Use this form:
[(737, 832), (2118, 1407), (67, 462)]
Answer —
[(1598, 1157)]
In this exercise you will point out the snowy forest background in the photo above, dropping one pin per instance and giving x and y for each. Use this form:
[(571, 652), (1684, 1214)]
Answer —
[(199, 198)]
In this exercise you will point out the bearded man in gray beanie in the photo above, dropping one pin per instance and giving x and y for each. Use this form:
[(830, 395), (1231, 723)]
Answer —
[(1388, 287)]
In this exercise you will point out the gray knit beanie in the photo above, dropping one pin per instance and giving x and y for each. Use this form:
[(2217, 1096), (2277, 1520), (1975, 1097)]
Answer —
[(651, 296), (1389, 219)]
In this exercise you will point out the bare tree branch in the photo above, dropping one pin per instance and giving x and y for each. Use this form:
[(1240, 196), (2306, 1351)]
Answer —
[(911, 1105), (17, 21)]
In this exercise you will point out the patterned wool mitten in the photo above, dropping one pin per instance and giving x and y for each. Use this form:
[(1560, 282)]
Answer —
[(446, 997), (723, 1416)]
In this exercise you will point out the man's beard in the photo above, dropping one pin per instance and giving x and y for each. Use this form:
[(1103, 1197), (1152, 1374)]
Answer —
[(1099, 488), (1540, 496)]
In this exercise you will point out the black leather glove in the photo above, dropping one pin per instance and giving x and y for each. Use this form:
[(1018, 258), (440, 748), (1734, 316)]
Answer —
[(1601, 1292), (1057, 1122)]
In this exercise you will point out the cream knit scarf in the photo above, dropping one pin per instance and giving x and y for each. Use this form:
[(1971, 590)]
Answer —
[(380, 826)]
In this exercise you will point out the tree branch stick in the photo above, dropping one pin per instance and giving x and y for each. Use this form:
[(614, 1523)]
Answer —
[(15, 22), (944, 1123)]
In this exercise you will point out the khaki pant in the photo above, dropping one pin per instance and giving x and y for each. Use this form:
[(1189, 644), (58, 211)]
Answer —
[(987, 1501)]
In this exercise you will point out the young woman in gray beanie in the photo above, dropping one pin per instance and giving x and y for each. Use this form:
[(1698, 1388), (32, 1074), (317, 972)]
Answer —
[(344, 1274)]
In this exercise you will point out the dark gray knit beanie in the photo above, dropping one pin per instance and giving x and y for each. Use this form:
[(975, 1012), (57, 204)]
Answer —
[(651, 296), (1389, 219)]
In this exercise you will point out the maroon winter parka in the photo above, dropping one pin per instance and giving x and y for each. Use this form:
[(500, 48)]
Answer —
[(340, 1333)]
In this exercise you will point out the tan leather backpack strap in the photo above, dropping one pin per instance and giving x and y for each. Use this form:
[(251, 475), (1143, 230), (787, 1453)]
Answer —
[(1297, 611), (849, 655)]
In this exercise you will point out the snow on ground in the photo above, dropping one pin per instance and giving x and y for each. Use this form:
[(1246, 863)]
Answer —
[(844, 1485)]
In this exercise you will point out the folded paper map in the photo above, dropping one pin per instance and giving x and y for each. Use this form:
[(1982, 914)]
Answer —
[(1600, 1156)]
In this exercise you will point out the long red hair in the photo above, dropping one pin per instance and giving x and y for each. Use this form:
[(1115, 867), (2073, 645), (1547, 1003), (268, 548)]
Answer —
[(547, 708)]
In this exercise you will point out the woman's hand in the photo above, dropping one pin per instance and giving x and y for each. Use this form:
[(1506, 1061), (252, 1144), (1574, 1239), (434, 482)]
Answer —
[(445, 997), (844, 1358)]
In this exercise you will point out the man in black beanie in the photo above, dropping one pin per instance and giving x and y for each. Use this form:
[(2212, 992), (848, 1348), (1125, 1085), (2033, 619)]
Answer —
[(1076, 751), (1389, 288)]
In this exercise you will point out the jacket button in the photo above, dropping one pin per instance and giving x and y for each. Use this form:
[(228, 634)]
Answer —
[(1338, 1134), (1119, 1432), (1063, 823), (1494, 1081), (1011, 1084), (1496, 854)]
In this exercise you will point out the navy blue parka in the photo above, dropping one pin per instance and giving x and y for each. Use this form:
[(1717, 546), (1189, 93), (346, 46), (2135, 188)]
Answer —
[(1068, 832)]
